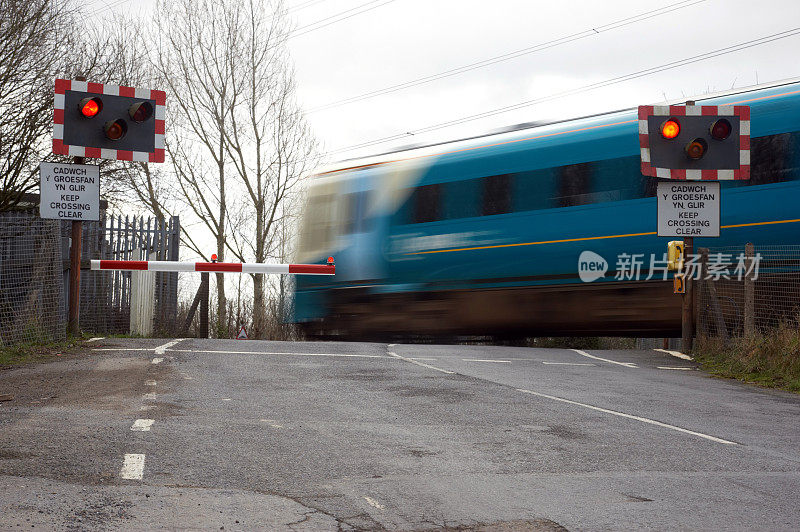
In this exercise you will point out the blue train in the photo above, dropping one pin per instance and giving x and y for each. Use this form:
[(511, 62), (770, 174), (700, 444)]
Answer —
[(483, 236)]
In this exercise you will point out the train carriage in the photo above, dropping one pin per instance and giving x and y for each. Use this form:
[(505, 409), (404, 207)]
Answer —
[(483, 236)]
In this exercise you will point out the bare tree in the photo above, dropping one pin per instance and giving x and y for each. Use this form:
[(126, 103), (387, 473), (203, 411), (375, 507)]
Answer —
[(33, 41), (239, 143), (192, 57), (268, 140)]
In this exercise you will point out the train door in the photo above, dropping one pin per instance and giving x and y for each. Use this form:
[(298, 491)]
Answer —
[(360, 228)]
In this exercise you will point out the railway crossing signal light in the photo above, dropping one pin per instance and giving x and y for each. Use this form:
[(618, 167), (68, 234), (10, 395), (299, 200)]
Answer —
[(670, 129), (89, 107), (707, 142), (109, 122)]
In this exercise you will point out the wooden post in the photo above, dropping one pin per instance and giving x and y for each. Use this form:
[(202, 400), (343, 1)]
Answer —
[(688, 301), (204, 287), (749, 292), (76, 238)]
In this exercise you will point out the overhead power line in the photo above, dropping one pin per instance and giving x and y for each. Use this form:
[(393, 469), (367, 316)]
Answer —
[(592, 86), (590, 32), (368, 6)]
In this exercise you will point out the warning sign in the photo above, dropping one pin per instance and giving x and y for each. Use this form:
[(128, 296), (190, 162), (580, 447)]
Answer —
[(688, 209), (242, 334), (69, 191)]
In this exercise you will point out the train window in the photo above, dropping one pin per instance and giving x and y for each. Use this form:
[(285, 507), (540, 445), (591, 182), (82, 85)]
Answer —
[(496, 194), (427, 203), (318, 230), (575, 186), (355, 213), (774, 158)]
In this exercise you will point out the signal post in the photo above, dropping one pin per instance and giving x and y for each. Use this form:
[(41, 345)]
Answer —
[(692, 144), (99, 121)]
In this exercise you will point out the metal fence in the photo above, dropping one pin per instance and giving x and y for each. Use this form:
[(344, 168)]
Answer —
[(106, 296), (31, 286), (747, 290)]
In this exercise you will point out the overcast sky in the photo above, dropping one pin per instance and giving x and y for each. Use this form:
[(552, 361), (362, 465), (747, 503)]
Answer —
[(404, 40), (345, 48)]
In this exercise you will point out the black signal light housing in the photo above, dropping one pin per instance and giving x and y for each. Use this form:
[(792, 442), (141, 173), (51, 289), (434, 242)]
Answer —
[(720, 129), (115, 129)]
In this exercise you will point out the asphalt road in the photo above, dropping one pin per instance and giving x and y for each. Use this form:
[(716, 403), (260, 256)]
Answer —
[(206, 434)]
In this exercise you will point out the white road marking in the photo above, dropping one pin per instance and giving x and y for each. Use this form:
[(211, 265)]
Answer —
[(132, 467), (629, 416), (423, 358), (287, 354), (160, 350), (375, 504), (144, 408), (485, 360), (150, 383), (272, 423), (121, 349), (569, 363), (157, 360), (149, 396), (142, 425), (391, 345), (684, 368), (424, 365), (674, 353), (585, 354), (95, 339), (226, 398)]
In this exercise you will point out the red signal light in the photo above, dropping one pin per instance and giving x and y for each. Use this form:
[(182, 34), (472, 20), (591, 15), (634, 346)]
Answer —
[(721, 129), (213, 257), (330, 260), (116, 129), (670, 129), (90, 107), (696, 149)]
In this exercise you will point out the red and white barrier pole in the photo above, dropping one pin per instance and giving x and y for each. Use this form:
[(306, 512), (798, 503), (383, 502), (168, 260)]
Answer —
[(225, 267)]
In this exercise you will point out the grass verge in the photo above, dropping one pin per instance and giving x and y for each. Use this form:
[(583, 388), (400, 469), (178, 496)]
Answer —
[(29, 353), (770, 359)]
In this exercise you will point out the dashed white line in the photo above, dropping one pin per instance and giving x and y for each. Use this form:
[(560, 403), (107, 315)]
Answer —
[(157, 360), (375, 504), (424, 365), (121, 349), (95, 339), (683, 368), (629, 416), (569, 363), (286, 354), (272, 423), (485, 360), (585, 354), (150, 383), (142, 425), (132, 467), (149, 396), (677, 354), (160, 350)]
